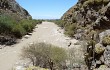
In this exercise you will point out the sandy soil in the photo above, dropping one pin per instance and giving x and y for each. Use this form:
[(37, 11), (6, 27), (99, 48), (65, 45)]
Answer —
[(46, 32)]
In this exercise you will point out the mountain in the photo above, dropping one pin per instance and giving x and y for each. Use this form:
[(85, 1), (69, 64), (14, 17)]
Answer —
[(91, 22), (11, 7)]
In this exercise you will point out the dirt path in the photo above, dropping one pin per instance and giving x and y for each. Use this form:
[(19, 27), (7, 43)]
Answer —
[(46, 32)]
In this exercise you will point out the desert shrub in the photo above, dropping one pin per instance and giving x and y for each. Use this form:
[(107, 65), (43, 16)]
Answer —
[(18, 28), (37, 21), (70, 29), (60, 23), (45, 55), (6, 24), (106, 40), (18, 31), (28, 25)]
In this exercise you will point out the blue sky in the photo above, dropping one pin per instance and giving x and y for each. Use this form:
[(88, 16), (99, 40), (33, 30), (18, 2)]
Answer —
[(47, 9)]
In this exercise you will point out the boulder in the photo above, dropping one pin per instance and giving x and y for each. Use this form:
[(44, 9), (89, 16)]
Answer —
[(98, 62), (103, 34)]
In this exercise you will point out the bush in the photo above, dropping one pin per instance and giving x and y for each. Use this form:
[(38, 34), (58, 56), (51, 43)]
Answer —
[(6, 24), (45, 55), (60, 23), (28, 25), (18, 31), (70, 29), (9, 25)]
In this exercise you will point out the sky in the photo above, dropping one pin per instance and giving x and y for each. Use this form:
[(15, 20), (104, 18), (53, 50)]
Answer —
[(47, 9)]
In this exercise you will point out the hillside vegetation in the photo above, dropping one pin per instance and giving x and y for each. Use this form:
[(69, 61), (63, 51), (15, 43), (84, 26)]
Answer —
[(89, 21), (15, 22)]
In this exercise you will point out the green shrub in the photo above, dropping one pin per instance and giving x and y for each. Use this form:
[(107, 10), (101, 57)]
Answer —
[(45, 55), (37, 21), (18, 31), (60, 23), (18, 28), (28, 25), (70, 29), (6, 24)]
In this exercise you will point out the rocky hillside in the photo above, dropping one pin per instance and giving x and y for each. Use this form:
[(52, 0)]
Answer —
[(11, 7), (91, 19), (15, 22)]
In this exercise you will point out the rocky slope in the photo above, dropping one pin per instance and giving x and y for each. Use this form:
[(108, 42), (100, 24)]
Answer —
[(11, 7), (92, 22), (10, 14)]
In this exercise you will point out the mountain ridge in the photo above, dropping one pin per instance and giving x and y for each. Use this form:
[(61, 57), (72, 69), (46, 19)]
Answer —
[(11, 7)]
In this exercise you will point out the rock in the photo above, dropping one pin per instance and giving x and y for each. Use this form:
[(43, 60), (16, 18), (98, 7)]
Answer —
[(29, 33), (31, 44), (103, 67), (1, 47), (6, 40), (26, 36), (102, 59), (107, 57), (99, 48), (103, 34), (79, 31), (98, 62), (108, 47), (19, 68), (83, 67), (77, 43), (77, 36), (11, 7)]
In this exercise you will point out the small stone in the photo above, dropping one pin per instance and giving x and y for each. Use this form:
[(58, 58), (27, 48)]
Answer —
[(26, 36), (29, 33), (98, 62)]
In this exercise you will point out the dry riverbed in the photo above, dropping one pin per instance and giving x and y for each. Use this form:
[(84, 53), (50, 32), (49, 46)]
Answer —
[(47, 32)]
